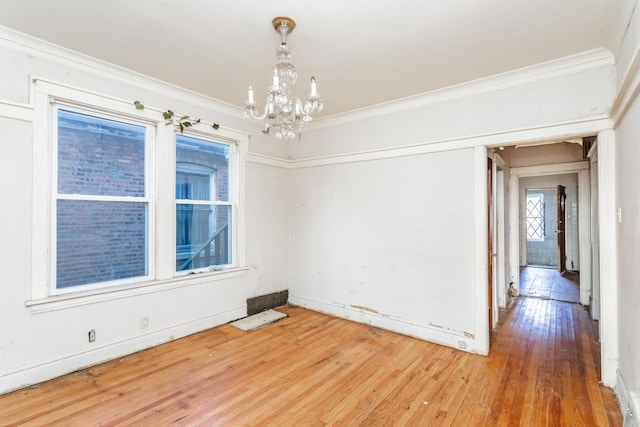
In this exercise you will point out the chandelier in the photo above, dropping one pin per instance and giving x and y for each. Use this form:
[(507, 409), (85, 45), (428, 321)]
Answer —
[(283, 113)]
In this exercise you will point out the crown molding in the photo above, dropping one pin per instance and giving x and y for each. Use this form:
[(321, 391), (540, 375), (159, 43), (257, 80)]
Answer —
[(261, 159), (565, 66), (557, 131), (39, 48), (561, 67), (628, 88)]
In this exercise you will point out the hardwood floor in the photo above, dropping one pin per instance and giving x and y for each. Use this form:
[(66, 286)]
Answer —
[(548, 283), (314, 370)]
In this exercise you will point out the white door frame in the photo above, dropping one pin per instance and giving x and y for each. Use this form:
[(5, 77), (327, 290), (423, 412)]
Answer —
[(607, 223), (500, 266)]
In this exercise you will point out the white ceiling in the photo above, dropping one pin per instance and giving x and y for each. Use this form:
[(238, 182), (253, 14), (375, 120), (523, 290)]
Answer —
[(362, 52)]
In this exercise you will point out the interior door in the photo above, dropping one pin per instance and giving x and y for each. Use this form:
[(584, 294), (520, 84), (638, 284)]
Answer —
[(562, 241)]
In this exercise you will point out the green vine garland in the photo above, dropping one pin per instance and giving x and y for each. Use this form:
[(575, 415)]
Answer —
[(183, 122)]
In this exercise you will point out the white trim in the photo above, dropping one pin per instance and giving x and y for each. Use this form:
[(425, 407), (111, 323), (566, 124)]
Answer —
[(500, 233), (240, 218), (261, 159), (481, 250), (627, 92), (551, 169), (16, 111), (430, 333), (514, 229), (584, 233), (559, 131), (42, 49), (90, 100), (627, 401), (594, 247), (608, 256), (568, 65), (60, 302), (72, 362), (67, 93), (629, 86), (41, 196)]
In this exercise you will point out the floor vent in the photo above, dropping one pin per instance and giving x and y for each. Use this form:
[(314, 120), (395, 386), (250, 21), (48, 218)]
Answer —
[(265, 302)]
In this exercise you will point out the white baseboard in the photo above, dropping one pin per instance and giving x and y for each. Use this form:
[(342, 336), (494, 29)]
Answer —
[(628, 401), (70, 363), (424, 332)]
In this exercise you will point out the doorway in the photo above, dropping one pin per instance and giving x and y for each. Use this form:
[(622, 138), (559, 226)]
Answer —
[(596, 259), (542, 236), (577, 203), (546, 222)]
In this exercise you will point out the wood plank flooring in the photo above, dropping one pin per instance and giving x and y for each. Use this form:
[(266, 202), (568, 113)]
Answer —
[(315, 370), (548, 283)]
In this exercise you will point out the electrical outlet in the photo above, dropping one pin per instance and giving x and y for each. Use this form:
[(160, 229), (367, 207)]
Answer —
[(144, 322), (92, 335), (462, 345)]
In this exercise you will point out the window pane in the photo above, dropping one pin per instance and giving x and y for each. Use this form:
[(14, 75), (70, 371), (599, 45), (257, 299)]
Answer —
[(98, 156), (203, 236), (202, 169), (535, 217), (100, 241)]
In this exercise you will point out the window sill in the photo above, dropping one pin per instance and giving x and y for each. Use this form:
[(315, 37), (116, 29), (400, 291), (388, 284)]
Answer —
[(61, 302)]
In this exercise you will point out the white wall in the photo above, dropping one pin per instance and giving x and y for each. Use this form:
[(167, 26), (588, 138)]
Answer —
[(626, 299), (628, 246), (36, 343), (389, 204), (393, 238)]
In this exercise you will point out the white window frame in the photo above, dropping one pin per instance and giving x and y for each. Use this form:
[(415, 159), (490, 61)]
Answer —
[(203, 133), (148, 198), (161, 163)]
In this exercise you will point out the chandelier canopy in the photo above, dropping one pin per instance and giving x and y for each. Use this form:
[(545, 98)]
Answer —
[(284, 113)]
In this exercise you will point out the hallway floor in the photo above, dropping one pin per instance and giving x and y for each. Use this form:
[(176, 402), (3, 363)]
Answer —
[(549, 284)]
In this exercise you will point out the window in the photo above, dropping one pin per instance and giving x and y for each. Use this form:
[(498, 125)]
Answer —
[(101, 200), (204, 203), (126, 204), (535, 216)]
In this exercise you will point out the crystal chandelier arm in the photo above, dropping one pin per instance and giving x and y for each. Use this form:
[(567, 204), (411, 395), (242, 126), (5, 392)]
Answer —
[(252, 112), (297, 106), (251, 106)]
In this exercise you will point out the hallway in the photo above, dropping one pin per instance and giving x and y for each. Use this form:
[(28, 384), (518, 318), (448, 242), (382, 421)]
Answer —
[(547, 283)]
